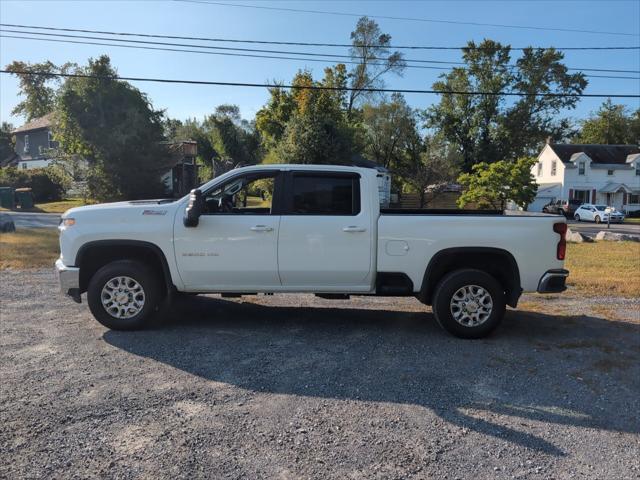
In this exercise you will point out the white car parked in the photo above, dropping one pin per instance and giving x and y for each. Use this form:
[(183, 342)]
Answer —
[(597, 213)]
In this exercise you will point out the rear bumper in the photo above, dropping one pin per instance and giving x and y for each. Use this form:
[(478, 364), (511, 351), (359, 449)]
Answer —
[(69, 280), (553, 281)]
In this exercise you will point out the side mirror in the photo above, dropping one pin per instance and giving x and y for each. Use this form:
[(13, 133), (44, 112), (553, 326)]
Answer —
[(194, 209)]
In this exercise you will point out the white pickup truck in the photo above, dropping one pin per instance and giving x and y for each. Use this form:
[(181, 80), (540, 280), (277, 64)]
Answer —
[(307, 229)]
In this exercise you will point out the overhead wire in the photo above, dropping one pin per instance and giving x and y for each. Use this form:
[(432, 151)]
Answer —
[(143, 44), (316, 87), (305, 44)]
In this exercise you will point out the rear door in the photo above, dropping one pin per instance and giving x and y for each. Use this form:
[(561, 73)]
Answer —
[(325, 233)]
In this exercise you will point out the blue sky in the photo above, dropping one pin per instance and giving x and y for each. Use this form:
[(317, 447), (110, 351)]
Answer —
[(208, 20)]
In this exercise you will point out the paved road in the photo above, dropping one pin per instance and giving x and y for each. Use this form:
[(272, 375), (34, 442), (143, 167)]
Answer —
[(35, 220), (591, 229), (298, 387)]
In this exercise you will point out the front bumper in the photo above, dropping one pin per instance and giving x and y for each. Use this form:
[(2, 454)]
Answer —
[(553, 281), (69, 280)]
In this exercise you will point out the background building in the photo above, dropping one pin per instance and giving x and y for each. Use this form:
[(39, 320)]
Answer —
[(603, 174)]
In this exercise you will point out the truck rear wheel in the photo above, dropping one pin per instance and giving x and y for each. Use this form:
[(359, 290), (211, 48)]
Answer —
[(469, 303), (124, 295)]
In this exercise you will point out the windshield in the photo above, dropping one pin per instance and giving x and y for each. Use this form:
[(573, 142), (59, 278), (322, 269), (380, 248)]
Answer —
[(602, 208)]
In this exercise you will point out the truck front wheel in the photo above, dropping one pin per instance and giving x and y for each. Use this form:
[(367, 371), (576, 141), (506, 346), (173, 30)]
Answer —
[(469, 303), (123, 295)]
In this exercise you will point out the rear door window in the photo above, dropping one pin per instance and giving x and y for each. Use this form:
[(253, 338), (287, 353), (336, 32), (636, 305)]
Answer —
[(321, 194)]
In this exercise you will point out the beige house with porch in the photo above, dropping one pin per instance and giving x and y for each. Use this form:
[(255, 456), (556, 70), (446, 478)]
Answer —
[(602, 174)]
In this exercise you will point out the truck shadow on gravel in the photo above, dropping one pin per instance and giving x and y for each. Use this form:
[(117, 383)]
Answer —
[(535, 372)]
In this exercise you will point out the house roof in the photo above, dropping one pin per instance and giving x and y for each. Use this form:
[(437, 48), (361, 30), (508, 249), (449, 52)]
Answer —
[(35, 124), (612, 154), (612, 187)]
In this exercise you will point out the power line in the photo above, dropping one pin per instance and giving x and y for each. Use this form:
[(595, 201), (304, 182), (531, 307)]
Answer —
[(302, 55), (272, 57), (304, 44), (447, 62), (317, 87), (412, 19)]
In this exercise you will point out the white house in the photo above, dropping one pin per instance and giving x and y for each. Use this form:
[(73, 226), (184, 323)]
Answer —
[(603, 174)]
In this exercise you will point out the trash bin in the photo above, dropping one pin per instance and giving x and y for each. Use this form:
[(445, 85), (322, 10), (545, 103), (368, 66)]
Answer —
[(7, 198), (24, 198)]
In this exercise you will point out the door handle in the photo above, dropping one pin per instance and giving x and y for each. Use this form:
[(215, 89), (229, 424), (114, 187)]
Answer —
[(353, 228), (261, 228)]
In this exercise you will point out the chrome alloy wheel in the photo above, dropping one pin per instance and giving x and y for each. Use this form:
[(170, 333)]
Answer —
[(122, 297), (471, 305)]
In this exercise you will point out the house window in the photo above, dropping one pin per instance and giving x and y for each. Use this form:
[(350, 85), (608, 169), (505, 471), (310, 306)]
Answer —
[(638, 168), (539, 169), (24, 165), (553, 167), (50, 139), (634, 199), (581, 168), (609, 172), (26, 143)]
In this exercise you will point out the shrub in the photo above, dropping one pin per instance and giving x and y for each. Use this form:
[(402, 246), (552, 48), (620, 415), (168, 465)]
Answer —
[(48, 184)]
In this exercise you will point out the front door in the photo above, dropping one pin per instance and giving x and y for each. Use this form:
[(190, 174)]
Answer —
[(235, 245), (325, 234)]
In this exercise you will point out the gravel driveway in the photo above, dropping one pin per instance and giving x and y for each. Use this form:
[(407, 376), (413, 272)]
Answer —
[(298, 387)]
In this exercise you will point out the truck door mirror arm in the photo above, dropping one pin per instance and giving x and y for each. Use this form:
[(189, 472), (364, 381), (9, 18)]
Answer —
[(194, 209)]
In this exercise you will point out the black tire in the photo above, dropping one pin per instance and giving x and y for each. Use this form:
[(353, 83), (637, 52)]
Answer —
[(456, 280), (597, 219), (137, 271), (576, 218)]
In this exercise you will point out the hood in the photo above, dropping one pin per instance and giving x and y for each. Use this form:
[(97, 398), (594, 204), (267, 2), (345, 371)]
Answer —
[(123, 206)]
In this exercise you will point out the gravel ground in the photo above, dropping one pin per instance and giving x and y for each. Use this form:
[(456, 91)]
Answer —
[(298, 387)]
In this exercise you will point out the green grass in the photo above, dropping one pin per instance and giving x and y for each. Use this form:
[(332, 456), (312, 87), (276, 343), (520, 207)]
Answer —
[(632, 220)]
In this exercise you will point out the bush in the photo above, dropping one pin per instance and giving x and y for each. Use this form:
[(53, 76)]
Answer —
[(48, 184)]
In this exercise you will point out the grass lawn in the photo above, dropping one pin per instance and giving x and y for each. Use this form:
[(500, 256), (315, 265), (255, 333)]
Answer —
[(29, 248), (632, 220), (60, 206), (604, 268)]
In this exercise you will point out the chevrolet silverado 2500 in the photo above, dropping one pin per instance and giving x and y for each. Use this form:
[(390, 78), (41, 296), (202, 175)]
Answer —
[(309, 229)]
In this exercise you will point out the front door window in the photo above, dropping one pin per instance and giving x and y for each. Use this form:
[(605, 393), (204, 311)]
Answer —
[(582, 195)]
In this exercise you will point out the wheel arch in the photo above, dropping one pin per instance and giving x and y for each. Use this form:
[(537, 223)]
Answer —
[(496, 261), (94, 255)]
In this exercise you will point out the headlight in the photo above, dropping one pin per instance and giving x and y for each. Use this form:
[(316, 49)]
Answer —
[(67, 222)]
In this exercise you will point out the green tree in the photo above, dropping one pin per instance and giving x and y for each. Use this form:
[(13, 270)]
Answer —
[(612, 125), (7, 141), (492, 127), (39, 91), (315, 138), (307, 125), (373, 59), (235, 142), (428, 162), (492, 185), (113, 126), (390, 130)]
